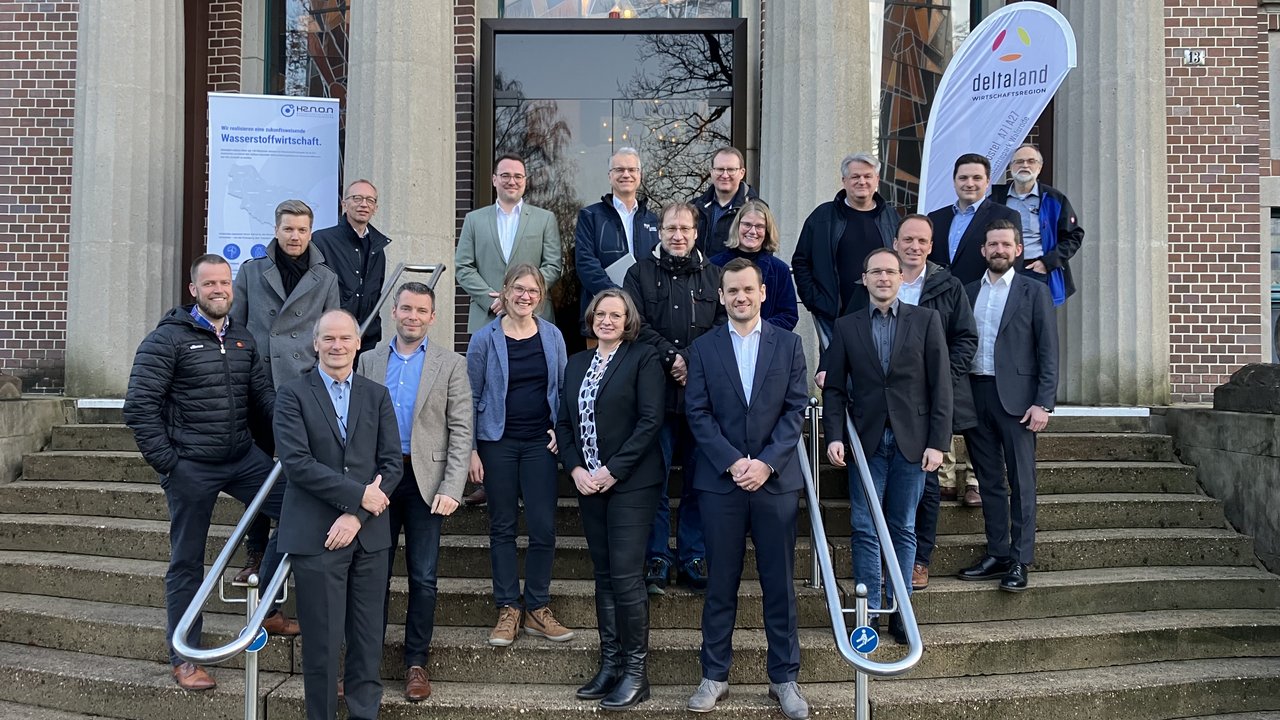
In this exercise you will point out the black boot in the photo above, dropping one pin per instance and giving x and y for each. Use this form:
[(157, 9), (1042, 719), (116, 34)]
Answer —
[(610, 650), (633, 686)]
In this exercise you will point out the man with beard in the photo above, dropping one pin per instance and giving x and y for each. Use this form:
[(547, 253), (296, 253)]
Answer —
[(676, 290), (1050, 233), (197, 385), (1014, 377)]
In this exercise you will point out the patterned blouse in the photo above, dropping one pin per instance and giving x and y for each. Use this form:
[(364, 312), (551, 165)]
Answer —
[(587, 410)]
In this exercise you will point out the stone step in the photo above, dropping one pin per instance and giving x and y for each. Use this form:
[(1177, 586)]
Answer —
[(1150, 691), (101, 416), (462, 654), (92, 465), (1111, 447), (1070, 512), (14, 711), (118, 687), (1060, 423), (95, 436), (468, 601), (1261, 715), (468, 555)]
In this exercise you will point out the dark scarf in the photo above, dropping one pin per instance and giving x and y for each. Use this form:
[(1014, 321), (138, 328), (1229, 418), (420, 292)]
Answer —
[(292, 269)]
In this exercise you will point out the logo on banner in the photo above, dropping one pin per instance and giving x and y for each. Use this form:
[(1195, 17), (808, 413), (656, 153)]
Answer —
[(1023, 35), (287, 109), (291, 109), (231, 251), (258, 251), (1036, 78)]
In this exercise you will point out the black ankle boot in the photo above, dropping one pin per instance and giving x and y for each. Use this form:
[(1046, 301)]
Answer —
[(633, 687), (610, 650)]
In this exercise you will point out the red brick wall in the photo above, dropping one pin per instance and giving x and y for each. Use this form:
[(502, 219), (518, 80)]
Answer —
[(465, 29), (226, 32), (1217, 136), (37, 90)]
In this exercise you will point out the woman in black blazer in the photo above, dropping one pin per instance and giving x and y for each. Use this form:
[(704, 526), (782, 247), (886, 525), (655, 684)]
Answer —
[(611, 411)]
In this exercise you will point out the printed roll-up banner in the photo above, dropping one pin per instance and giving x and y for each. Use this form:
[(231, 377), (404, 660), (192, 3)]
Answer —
[(263, 150), (992, 92)]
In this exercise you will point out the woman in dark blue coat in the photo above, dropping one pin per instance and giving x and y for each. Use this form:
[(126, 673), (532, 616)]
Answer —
[(754, 236)]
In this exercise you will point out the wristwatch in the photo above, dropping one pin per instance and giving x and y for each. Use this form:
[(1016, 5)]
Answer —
[(1047, 409)]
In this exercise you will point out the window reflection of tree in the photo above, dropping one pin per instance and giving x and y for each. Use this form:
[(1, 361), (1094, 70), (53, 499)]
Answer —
[(678, 130), (539, 133)]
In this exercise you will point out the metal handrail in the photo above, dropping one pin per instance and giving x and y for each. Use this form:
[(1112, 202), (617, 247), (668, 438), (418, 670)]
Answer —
[(818, 536), (213, 578)]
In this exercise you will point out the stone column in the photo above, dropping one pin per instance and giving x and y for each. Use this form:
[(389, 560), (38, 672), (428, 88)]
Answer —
[(126, 187), (815, 108), (401, 134), (1110, 160)]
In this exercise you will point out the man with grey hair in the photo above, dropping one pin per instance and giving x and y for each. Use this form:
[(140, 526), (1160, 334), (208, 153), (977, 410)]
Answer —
[(615, 232), (356, 250), (838, 235)]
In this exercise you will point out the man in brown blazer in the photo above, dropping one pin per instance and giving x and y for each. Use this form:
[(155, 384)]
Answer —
[(432, 399)]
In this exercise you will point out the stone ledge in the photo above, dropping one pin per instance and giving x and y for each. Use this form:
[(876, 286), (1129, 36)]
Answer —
[(26, 426)]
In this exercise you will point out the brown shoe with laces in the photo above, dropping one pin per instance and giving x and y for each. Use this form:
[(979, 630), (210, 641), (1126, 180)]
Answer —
[(251, 567), (281, 625), (417, 686), (919, 577), (504, 633), (541, 623), (193, 677), (972, 498)]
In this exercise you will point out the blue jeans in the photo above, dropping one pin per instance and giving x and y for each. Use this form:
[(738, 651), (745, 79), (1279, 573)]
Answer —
[(899, 484), (408, 510), (690, 540)]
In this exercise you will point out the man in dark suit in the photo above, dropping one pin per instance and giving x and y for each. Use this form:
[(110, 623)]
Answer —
[(959, 228), (888, 364), (745, 399), (1014, 378), (338, 441)]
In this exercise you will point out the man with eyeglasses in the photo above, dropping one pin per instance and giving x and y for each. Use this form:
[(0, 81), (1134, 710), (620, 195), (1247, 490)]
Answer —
[(838, 235), (1050, 233), (901, 404), (614, 233), (721, 202), (507, 233), (677, 291), (354, 249)]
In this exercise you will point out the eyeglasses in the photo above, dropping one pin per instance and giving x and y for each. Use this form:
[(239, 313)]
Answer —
[(1025, 161), (681, 228), (724, 170), (883, 272), (362, 199), (625, 170), (508, 177), (751, 227), (519, 290)]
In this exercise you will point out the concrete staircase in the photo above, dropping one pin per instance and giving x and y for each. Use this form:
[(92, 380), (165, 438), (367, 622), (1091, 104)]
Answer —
[(1144, 605)]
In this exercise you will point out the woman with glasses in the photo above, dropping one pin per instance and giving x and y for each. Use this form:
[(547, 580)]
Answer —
[(754, 236), (610, 414), (516, 364)]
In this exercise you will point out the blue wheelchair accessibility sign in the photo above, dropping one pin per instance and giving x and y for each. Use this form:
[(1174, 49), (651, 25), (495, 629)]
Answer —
[(865, 639)]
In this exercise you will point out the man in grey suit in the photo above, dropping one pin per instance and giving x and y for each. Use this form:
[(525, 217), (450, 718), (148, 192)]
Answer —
[(337, 439), (432, 399), (502, 235), (1014, 378), (280, 295)]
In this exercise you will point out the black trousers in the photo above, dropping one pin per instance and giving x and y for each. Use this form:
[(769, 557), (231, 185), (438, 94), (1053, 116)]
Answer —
[(515, 469), (616, 525), (341, 595), (191, 489), (998, 444)]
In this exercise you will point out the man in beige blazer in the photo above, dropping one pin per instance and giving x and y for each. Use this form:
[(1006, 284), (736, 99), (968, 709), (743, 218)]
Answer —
[(502, 235), (432, 399)]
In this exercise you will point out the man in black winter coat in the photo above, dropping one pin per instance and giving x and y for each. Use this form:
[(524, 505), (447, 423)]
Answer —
[(676, 289), (719, 204), (356, 251), (197, 384)]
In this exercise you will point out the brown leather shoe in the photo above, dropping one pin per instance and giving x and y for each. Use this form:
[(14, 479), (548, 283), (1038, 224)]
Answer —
[(919, 577), (971, 497), (193, 677), (947, 493), (282, 625), (251, 567), (479, 497), (417, 686)]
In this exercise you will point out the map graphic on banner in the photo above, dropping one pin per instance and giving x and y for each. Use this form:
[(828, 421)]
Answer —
[(993, 91), (263, 150)]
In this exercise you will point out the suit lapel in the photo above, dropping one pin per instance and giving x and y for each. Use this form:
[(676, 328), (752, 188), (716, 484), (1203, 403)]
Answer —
[(494, 237), (862, 331), (764, 357), (903, 325), (321, 394), (730, 361), (1011, 307), (303, 286), (353, 413), (430, 371), (614, 362), (272, 276)]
